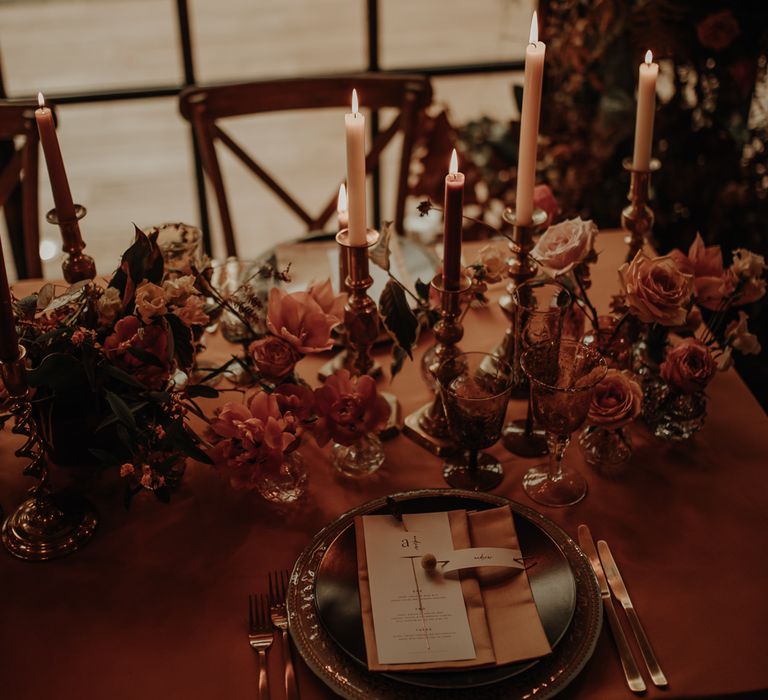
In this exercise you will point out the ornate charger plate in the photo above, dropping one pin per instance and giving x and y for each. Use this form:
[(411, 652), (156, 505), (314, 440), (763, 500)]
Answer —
[(347, 677)]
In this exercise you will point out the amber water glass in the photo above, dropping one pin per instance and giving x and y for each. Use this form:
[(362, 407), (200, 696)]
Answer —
[(562, 376), (475, 387)]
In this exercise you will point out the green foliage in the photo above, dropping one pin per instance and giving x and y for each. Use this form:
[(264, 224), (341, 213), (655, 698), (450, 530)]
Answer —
[(398, 318)]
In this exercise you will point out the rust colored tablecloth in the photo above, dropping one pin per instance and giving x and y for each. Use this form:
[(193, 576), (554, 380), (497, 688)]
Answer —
[(155, 605)]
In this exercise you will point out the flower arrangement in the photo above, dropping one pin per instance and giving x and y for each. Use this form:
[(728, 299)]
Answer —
[(108, 364), (250, 441)]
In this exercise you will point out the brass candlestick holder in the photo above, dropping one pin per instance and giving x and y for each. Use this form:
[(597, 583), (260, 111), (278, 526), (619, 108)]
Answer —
[(520, 267), (76, 265), (44, 526), (637, 217), (428, 426)]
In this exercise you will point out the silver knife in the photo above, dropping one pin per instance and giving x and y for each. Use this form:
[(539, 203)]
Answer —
[(631, 672), (620, 591)]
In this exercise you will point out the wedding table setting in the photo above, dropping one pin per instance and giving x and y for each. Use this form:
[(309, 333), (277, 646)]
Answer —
[(365, 467)]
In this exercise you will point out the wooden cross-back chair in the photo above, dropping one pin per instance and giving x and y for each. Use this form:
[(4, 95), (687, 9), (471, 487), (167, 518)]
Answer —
[(409, 95), (19, 167)]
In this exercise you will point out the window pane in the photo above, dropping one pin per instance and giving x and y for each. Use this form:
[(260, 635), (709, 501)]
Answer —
[(453, 33), (80, 45), (243, 39)]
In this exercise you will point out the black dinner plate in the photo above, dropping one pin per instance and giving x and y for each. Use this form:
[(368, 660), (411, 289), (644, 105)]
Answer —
[(337, 596)]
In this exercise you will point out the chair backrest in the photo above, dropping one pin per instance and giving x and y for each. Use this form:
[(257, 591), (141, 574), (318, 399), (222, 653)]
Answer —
[(409, 95), (19, 167)]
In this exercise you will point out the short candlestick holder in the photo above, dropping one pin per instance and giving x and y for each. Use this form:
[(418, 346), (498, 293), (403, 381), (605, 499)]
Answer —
[(44, 526), (637, 217), (76, 265), (520, 268), (428, 425), (361, 319)]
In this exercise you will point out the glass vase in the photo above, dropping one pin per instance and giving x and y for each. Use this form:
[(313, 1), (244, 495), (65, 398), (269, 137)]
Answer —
[(611, 341), (361, 458), (605, 447), (288, 483), (680, 416)]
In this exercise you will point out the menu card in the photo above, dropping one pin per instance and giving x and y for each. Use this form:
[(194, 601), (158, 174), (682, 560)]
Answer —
[(503, 620), (418, 617)]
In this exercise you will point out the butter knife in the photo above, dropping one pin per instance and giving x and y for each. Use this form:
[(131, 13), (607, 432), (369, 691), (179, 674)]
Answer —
[(631, 672), (622, 595)]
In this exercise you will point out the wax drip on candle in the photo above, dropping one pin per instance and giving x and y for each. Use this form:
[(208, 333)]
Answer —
[(533, 36), (453, 168)]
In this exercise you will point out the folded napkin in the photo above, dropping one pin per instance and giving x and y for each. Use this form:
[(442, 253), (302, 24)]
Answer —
[(502, 614)]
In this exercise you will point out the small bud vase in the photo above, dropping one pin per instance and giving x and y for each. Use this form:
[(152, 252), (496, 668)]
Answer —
[(680, 416), (605, 447), (361, 458), (287, 484)]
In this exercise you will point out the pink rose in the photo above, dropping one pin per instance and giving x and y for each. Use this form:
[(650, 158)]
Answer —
[(299, 320), (192, 314), (544, 199), (565, 245), (150, 301), (348, 408), (494, 259), (711, 282), (616, 401), (332, 304), (274, 357), (129, 333), (656, 290), (718, 30), (249, 439), (688, 366)]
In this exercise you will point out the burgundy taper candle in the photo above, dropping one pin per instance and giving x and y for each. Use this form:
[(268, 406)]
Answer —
[(9, 342), (62, 196), (452, 224)]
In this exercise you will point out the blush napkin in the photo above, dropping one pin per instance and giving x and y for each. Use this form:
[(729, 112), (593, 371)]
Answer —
[(502, 614)]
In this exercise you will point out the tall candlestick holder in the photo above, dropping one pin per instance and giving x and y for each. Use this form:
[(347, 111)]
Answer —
[(637, 217), (44, 526), (428, 426), (520, 268), (76, 265)]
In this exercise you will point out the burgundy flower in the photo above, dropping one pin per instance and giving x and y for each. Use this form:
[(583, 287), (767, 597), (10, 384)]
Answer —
[(131, 334), (688, 366), (348, 408), (274, 357)]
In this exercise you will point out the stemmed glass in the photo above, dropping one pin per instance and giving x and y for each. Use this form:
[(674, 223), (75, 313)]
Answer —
[(562, 376), (540, 308), (475, 388)]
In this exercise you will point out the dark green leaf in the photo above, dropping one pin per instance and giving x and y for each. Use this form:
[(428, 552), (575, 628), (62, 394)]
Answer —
[(422, 289), (379, 255), (398, 358), (25, 308), (120, 409), (147, 357), (399, 320), (182, 341), (202, 390), (59, 372), (178, 435), (120, 375), (110, 420)]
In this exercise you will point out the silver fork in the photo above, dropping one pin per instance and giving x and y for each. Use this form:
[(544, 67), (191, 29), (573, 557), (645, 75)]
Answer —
[(260, 637), (278, 587)]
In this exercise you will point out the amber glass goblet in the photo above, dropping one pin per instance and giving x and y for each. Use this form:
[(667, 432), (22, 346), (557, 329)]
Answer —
[(475, 388), (562, 376)]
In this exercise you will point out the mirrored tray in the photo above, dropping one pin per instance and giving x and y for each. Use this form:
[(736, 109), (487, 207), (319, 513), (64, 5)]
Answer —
[(348, 677)]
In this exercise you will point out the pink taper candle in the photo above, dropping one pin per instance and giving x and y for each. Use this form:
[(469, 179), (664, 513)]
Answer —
[(529, 125), (646, 106), (355, 131), (9, 342), (62, 196), (452, 226)]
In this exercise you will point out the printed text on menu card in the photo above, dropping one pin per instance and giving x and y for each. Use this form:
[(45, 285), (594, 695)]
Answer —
[(417, 618)]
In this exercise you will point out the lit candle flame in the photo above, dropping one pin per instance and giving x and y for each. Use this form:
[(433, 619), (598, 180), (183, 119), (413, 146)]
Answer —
[(533, 37), (341, 206), (454, 167), (648, 57), (40, 99), (355, 106)]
